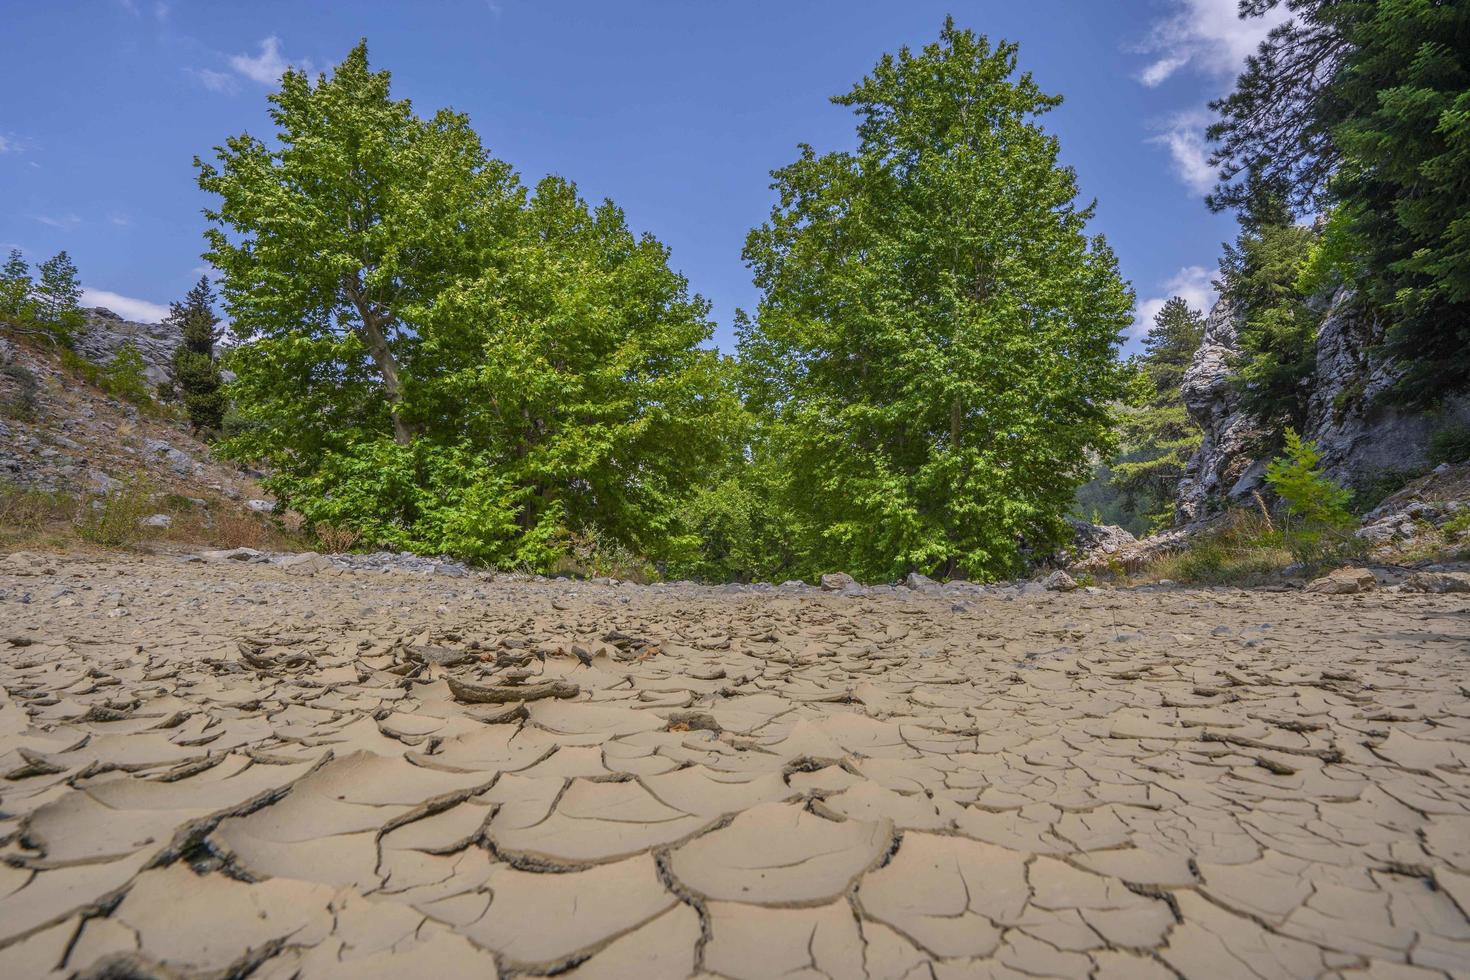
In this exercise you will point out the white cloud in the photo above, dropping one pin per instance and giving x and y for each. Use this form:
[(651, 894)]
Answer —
[(120, 219), (65, 222), (5, 145), (268, 66), (1184, 136), (215, 81), (1193, 283), (127, 307), (1208, 35)]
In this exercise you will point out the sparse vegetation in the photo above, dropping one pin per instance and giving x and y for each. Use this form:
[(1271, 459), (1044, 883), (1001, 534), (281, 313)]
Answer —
[(115, 519), (334, 539), (1450, 444), (19, 392), (1247, 549)]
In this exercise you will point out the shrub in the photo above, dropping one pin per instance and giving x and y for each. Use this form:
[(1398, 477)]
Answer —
[(334, 539), (124, 376), (115, 521), (19, 392), (1318, 520), (29, 509), (1246, 550), (1450, 445), (591, 553)]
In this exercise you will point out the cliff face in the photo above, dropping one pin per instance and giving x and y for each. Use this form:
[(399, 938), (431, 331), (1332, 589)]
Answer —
[(1359, 436), (105, 332)]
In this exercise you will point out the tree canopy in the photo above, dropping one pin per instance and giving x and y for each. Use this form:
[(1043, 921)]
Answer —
[(934, 353), (436, 356), (1158, 436), (1363, 106)]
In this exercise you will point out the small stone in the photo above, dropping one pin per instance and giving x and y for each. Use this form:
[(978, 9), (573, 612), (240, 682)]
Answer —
[(157, 520), (1059, 581), (837, 581), (230, 554), (918, 581)]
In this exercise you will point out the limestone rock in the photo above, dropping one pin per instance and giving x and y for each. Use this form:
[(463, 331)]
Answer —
[(1344, 581), (1059, 581), (1438, 582), (837, 581), (104, 333), (918, 581)]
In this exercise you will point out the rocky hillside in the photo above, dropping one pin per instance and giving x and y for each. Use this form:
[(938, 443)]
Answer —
[(1363, 441), (62, 435)]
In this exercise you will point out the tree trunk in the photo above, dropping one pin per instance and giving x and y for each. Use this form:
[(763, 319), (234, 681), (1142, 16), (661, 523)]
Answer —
[(376, 339)]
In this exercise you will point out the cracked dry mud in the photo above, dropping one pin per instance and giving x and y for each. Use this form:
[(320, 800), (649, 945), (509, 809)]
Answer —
[(248, 773)]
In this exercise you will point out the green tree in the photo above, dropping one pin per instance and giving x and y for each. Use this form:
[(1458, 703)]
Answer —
[(125, 375), (1318, 522), (1404, 136), (15, 289), (57, 297), (1261, 277), (1158, 436), (1364, 104), (194, 372), (935, 344), (434, 356)]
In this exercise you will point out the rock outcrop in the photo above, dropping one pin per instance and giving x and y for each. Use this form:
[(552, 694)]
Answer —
[(105, 333), (1224, 467), (1358, 433)]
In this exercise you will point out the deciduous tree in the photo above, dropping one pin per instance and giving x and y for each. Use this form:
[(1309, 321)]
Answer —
[(936, 341)]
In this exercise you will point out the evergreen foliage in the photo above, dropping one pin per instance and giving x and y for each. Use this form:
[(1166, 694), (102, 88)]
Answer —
[(933, 356), (1365, 104), (1261, 279), (56, 298), (15, 289), (51, 306), (1158, 436), (194, 372), (1319, 520)]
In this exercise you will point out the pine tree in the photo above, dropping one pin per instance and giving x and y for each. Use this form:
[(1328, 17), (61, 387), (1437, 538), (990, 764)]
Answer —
[(15, 289), (195, 373), (1363, 105), (1159, 437), (57, 298)]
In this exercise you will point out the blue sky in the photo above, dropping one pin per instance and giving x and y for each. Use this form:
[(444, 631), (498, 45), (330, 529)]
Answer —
[(676, 109)]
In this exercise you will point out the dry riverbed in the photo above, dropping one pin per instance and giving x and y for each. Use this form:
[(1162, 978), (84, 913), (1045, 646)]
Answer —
[(228, 768)]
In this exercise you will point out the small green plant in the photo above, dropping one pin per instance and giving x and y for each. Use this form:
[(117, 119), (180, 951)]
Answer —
[(1450, 445), (1458, 524), (115, 521), (125, 377), (1318, 521)]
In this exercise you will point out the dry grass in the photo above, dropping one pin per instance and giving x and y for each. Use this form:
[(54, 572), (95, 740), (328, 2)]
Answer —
[(334, 540), (1245, 550), (41, 520)]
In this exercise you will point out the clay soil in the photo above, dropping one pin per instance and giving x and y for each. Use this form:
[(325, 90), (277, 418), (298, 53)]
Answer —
[(223, 769)]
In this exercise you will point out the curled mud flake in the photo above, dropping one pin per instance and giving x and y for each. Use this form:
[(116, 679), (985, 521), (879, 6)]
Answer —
[(471, 693)]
